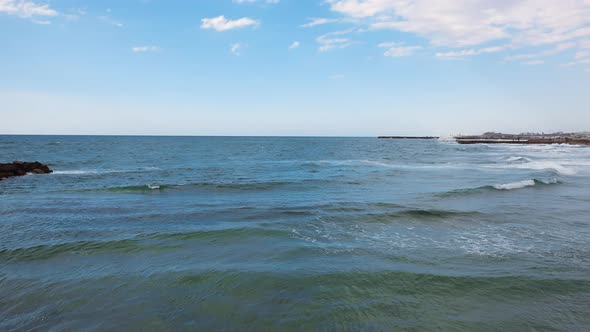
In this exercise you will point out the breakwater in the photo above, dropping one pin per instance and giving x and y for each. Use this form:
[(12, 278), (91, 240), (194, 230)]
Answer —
[(493, 138)]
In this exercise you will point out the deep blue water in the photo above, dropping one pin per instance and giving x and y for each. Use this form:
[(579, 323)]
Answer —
[(302, 234)]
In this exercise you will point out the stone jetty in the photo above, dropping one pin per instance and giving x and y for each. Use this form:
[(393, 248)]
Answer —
[(526, 138)]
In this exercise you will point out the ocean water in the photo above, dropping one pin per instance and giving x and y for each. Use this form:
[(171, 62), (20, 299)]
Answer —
[(294, 234)]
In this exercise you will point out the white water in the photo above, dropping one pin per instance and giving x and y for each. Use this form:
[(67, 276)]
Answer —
[(515, 185)]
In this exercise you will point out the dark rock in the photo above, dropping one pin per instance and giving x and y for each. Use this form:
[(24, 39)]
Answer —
[(5, 174), (8, 168), (20, 168)]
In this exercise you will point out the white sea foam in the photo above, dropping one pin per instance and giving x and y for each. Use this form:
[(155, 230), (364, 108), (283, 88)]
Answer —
[(515, 185), (153, 186), (523, 184), (75, 172)]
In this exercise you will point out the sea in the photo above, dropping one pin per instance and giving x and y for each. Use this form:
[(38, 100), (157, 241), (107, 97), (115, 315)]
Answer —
[(294, 234)]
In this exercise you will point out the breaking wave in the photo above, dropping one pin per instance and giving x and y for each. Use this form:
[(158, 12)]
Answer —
[(515, 185), (502, 187)]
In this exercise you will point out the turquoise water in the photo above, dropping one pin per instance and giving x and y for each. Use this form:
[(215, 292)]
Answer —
[(301, 234)]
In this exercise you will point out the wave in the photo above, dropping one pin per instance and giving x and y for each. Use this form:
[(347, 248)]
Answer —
[(515, 185), (502, 187), (429, 214), (141, 243), (387, 282), (548, 165), (107, 171), (252, 186), (303, 184), (44, 252), (225, 234), (409, 214), (518, 159), (526, 163), (525, 183)]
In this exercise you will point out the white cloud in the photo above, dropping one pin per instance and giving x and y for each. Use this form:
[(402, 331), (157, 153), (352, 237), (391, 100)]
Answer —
[(331, 41), (475, 24), (336, 77), (143, 49), (221, 23), (397, 50), (272, 2), (295, 45), (465, 23), (74, 14), (390, 44), (455, 55), (320, 21), (534, 62), (26, 8), (236, 48), (557, 49)]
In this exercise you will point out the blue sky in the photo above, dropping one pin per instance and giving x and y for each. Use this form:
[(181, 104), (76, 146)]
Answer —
[(294, 67)]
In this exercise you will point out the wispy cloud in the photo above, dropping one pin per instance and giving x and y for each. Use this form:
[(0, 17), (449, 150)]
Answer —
[(319, 21), (398, 50), (272, 2), (108, 20), (332, 41), (220, 23), (143, 49), (294, 45), (557, 49), (336, 77), (236, 48), (455, 55), (577, 62)]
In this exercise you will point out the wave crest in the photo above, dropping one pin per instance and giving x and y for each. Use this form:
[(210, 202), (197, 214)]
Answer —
[(515, 185)]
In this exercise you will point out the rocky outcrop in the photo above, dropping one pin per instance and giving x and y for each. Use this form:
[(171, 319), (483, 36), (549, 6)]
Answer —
[(20, 168)]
